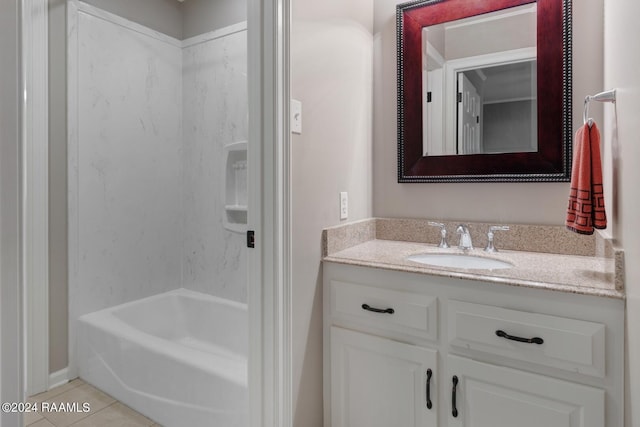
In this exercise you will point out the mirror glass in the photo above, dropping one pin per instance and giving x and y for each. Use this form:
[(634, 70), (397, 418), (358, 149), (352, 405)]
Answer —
[(484, 90), (480, 84)]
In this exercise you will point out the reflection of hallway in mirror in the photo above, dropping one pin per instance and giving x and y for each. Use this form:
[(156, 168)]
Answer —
[(496, 108), (469, 103)]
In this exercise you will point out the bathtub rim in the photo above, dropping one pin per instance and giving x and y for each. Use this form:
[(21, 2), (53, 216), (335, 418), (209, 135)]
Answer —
[(179, 291)]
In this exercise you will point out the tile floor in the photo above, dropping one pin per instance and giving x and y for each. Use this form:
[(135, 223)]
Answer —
[(104, 410)]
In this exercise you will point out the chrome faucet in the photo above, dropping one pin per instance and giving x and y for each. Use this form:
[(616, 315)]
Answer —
[(490, 246), (443, 234), (465, 237)]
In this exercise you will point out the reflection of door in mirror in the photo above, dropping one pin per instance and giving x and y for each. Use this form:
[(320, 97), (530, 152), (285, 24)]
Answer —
[(479, 84), (433, 86), (469, 104)]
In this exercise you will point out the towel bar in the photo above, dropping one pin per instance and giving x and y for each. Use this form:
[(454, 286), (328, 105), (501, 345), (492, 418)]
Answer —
[(606, 96)]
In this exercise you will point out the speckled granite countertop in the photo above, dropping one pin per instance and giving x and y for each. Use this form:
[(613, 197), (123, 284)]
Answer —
[(587, 275)]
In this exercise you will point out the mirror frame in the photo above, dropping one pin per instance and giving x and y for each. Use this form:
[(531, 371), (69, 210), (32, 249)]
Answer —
[(552, 161)]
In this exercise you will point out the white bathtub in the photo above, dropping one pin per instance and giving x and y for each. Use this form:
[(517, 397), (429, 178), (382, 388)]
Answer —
[(179, 358)]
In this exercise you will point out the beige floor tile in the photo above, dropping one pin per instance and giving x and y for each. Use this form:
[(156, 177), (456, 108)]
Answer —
[(116, 415), (84, 393), (31, 417), (42, 423), (56, 391)]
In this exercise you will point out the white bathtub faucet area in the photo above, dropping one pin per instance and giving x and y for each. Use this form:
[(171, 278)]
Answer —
[(180, 357)]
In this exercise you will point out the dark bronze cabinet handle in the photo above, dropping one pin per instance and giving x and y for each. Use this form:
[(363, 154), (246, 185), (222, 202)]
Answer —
[(378, 310), (535, 340), (454, 411), (429, 374)]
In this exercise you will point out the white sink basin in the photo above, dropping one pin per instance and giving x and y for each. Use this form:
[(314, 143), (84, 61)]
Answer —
[(459, 261)]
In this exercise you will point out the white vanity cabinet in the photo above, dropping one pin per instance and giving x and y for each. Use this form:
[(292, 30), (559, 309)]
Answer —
[(367, 370), (394, 341), (489, 395)]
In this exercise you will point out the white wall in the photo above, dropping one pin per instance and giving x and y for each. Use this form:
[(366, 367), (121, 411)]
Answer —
[(519, 203), (58, 271), (214, 115), (621, 137), (331, 60), (202, 16), (164, 16), (127, 220), (10, 299)]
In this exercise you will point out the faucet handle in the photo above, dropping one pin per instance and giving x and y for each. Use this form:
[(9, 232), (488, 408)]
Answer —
[(443, 234), (490, 247)]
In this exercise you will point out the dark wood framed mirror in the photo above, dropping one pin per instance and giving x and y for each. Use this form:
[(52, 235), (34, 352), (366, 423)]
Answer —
[(549, 157)]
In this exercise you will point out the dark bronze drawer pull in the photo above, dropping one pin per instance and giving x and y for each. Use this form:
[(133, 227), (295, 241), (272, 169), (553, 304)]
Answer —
[(378, 310), (429, 374), (535, 340), (454, 411)]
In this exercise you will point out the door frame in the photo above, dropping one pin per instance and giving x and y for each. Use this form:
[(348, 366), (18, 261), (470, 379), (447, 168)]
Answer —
[(35, 194), (11, 215), (269, 278)]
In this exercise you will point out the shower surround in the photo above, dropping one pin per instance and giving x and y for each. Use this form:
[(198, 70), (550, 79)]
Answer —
[(216, 114), (149, 116)]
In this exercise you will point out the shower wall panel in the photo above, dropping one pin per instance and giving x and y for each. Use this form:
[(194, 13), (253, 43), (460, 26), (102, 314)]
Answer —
[(214, 115), (127, 211)]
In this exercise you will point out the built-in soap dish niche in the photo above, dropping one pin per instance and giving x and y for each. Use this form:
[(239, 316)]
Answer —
[(235, 218)]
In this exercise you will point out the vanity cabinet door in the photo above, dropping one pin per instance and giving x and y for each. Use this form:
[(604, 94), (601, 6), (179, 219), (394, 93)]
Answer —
[(378, 382), (494, 396)]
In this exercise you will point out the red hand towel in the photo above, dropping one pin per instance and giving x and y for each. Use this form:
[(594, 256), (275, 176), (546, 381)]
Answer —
[(586, 199)]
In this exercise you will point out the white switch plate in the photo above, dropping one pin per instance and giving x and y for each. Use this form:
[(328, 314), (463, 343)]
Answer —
[(296, 116), (344, 205)]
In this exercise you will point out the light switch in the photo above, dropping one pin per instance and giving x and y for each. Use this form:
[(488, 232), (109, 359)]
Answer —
[(296, 116)]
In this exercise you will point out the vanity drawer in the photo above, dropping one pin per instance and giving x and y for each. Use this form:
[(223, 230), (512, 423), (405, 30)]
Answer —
[(559, 342), (406, 313)]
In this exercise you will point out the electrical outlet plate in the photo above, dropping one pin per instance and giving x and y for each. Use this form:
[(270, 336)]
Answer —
[(344, 205)]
